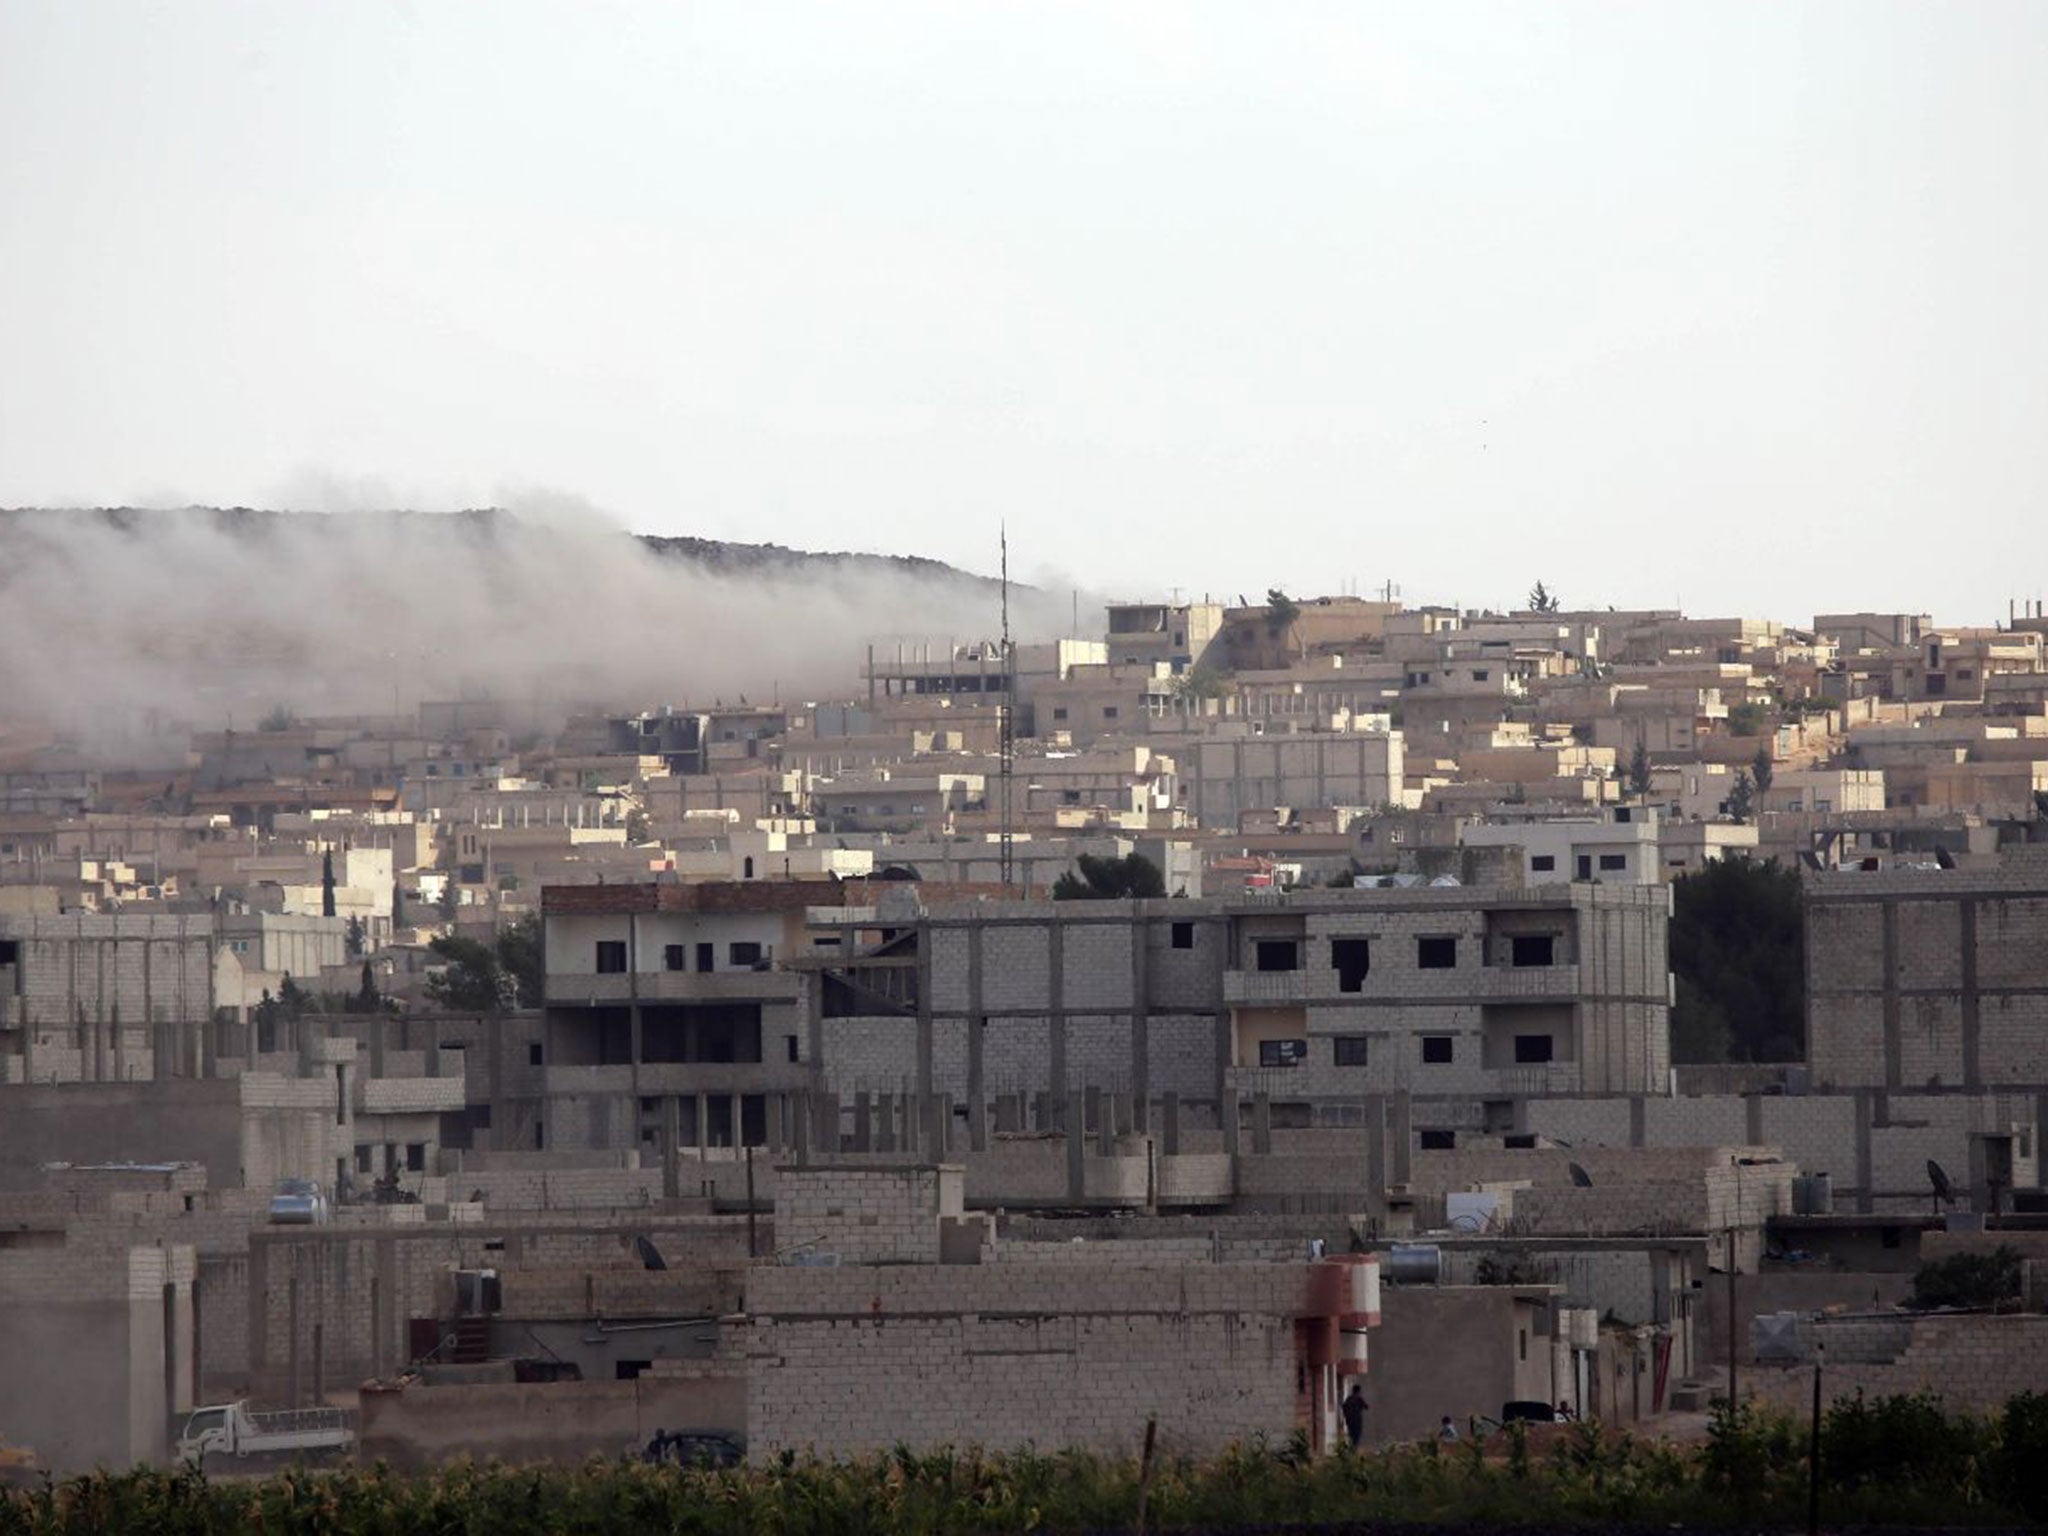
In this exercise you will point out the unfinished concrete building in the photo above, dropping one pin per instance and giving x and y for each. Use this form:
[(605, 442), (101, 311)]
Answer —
[(104, 999)]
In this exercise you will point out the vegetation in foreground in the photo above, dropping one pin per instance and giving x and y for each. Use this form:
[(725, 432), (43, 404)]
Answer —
[(1889, 1461)]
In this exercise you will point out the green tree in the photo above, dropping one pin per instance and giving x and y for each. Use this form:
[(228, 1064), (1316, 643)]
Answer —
[(1738, 957), (367, 998), (397, 906), (1639, 770), (449, 899), (1106, 879), (1747, 718), (1200, 682), (327, 882), (520, 960), (637, 831), (291, 997), (1741, 796), (280, 718), (1281, 611), (1762, 768), (356, 937), (1543, 600), (471, 980), (1966, 1280)]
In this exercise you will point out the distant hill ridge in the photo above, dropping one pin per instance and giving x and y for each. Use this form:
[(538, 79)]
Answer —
[(717, 555)]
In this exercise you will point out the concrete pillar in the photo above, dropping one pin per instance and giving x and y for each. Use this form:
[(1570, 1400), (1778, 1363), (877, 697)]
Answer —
[(700, 1133), (1376, 1153), (671, 1147), (1105, 1128), (739, 1138), (777, 1121), (863, 1123), (1077, 1149), (803, 1125), (825, 1122), (885, 1122), (1091, 1108), (1400, 1141), (1262, 1123), (1042, 1115), (942, 1126), (1169, 1124), (1227, 1112)]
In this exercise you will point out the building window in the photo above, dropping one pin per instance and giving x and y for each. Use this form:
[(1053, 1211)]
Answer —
[(533, 1053), (1350, 1050), (1437, 954), (745, 954), (1109, 711), (1183, 936), (1437, 1141), (792, 1046), (1532, 1049), (1535, 949), (707, 957), (1060, 712), (673, 957), (1614, 861), (1277, 954), (1282, 1053), (362, 1157), (1351, 959), (415, 1157), (1479, 674), (611, 956), (1543, 863), (1436, 1050)]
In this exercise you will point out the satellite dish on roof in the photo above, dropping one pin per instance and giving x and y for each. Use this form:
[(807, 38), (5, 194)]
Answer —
[(1580, 1177), (1944, 1192)]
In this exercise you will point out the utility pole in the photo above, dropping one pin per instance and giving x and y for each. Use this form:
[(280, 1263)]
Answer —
[(1731, 1322), (1007, 737), (1813, 1450)]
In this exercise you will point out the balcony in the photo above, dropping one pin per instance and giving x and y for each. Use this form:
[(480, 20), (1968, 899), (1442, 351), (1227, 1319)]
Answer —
[(413, 1095), (1270, 988), (666, 1077), (1508, 983), (675, 987)]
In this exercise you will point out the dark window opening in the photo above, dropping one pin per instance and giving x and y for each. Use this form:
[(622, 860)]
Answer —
[(1350, 1050), (1585, 866), (673, 957), (1543, 863), (792, 1046), (533, 1054), (1530, 1049), (1278, 954), (1535, 949), (611, 956), (1436, 954), (744, 955), (701, 1032), (1438, 1141), (1351, 959), (1889, 1237), (1436, 1050), (1183, 936), (415, 1157), (540, 1136), (1614, 861), (632, 1370), (1282, 1053), (10, 951), (707, 957)]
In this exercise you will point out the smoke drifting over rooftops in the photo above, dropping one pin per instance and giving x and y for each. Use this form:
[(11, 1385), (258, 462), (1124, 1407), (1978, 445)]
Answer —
[(206, 616)]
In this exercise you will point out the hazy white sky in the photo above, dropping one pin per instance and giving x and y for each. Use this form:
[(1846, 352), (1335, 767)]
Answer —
[(1742, 305)]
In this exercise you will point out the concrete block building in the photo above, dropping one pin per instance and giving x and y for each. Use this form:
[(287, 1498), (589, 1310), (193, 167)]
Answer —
[(104, 998)]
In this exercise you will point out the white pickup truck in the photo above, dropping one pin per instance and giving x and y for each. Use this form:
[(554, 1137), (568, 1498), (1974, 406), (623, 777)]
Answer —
[(231, 1429)]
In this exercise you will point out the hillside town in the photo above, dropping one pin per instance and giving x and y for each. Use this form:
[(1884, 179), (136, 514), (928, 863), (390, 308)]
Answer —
[(1557, 1012)]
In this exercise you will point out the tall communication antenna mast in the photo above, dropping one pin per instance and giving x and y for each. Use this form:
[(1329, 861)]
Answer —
[(1008, 736)]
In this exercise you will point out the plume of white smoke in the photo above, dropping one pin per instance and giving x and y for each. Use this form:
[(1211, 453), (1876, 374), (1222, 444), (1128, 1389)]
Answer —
[(200, 617)]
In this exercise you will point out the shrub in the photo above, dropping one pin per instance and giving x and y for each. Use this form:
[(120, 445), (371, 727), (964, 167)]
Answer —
[(1966, 1280)]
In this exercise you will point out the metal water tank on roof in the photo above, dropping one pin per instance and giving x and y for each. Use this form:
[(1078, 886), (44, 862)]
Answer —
[(1413, 1264)]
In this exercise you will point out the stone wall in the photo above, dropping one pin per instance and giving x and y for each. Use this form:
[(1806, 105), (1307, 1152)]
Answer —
[(848, 1362)]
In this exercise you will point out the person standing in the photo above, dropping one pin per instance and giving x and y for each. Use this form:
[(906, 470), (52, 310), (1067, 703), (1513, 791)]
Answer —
[(1353, 1409), (1447, 1431)]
